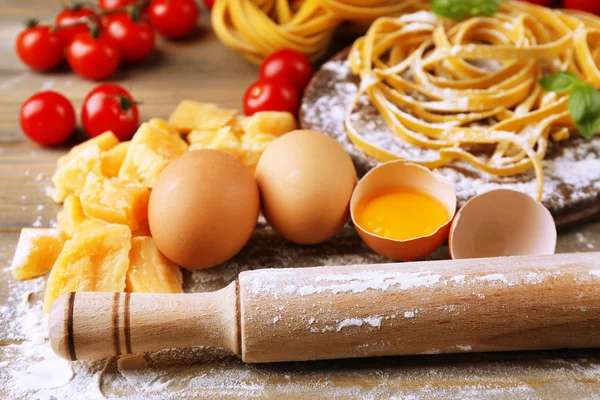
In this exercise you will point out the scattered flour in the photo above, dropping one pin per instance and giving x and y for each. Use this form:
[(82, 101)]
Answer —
[(38, 222), (10, 83), (494, 278), (458, 279), (263, 283), (47, 85), (583, 239), (373, 321)]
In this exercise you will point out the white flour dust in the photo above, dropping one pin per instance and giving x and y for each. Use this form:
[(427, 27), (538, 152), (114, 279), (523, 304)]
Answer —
[(372, 321)]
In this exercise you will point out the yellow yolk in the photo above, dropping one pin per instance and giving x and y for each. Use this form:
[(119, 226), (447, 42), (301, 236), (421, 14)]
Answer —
[(401, 214)]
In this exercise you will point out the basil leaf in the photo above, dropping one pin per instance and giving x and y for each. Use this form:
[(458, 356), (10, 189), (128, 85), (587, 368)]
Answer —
[(461, 9), (584, 106), (559, 82)]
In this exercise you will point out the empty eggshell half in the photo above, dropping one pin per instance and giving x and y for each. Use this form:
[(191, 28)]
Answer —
[(500, 223), (401, 174)]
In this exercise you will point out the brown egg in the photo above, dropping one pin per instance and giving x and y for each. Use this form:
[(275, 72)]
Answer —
[(413, 177), (306, 181), (501, 223), (203, 208)]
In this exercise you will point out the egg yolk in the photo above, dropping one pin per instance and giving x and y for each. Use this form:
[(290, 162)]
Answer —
[(401, 214)]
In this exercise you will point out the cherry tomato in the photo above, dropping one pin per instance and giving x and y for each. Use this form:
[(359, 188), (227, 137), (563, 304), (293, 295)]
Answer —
[(114, 4), (47, 118), (209, 4), (591, 6), (545, 3), (271, 94), (135, 40), (39, 47), (109, 107), (69, 16), (289, 64), (174, 19), (93, 58)]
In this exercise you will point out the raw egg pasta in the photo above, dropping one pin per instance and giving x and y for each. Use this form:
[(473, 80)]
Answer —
[(470, 89), (257, 28)]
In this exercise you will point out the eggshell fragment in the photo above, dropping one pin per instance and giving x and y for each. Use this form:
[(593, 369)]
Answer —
[(501, 223), (401, 174)]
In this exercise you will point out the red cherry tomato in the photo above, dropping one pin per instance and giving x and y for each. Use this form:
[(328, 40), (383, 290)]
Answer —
[(135, 40), (591, 6), (93, 58), (271, 94), (114, 4), (545, 3), (47, 118), (109, 107), (39, 47), (69, 16), (174, 19), (209, 4), (289, 64)]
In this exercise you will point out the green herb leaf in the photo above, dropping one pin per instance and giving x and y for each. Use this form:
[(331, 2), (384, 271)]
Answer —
[(584, 106), (559, 82), (461, 9)]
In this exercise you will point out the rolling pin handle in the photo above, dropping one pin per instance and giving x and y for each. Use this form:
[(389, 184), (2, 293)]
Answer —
[(89, 325)]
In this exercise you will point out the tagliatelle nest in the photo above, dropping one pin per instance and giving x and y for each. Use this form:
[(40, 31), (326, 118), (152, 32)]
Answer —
[(257, 28), (454, 86)]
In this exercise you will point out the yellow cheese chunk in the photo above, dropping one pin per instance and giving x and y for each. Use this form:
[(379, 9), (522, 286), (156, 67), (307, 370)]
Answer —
[(222, 139), (94, 260), (273, 122), (254, 145), (105, 141), (115, 201), (150, 151), (89, 225), (201, 137), (184, 116), (70, 216), (36, 252), (70, 178), (149, 271), (113, 159), (238, 124), (214, 118), (142, 230), (160, 123)]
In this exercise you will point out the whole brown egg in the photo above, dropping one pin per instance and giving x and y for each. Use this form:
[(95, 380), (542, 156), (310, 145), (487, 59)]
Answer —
[(306, 180), (203, 208)]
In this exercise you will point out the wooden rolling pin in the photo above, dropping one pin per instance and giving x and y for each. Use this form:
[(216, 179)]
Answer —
[(494, 304)]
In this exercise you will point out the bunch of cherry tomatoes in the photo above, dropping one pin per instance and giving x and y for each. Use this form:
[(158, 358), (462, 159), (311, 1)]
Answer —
[(48, 117), (95, 41), (591, 6), (282, 79)]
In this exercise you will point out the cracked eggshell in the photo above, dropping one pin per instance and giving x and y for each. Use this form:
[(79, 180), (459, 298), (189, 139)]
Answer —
[(501, 223), (401, 174)]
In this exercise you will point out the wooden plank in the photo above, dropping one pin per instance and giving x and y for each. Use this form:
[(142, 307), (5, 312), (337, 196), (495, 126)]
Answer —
[(205, 70)]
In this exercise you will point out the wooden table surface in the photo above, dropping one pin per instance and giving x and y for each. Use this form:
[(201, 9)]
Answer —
[(203, 69)]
